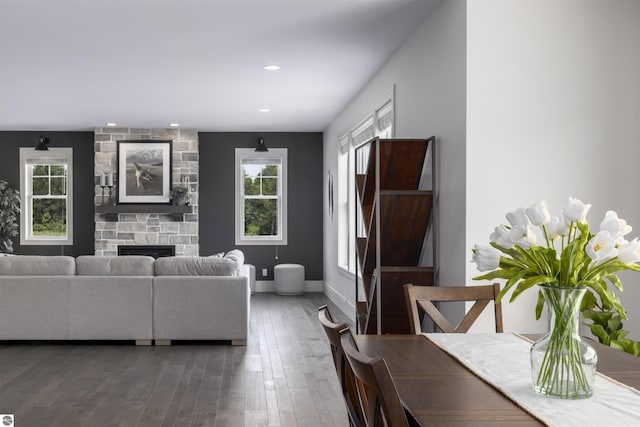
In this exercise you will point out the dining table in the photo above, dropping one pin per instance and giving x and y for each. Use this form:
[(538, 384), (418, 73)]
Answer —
[(436, 389)]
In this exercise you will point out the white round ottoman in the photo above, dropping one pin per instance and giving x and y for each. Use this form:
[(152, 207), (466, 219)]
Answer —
[(289, 279)]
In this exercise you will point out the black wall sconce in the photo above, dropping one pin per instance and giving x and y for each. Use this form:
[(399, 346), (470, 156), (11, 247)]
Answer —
[(260, 145), (42, 144)]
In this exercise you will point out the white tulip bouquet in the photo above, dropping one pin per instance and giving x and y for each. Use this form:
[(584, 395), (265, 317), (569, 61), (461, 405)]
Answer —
[(574, 269), (570, 256)]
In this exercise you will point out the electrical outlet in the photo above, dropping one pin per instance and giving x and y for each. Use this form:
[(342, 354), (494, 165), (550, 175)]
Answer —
[(264, 272)]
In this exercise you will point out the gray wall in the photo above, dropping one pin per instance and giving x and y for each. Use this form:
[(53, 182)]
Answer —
[(83, 187), (305, 199)]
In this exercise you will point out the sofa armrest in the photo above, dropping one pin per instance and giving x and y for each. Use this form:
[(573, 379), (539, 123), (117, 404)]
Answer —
[(248, 270)]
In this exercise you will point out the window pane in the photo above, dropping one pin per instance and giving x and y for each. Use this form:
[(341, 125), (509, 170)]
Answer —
[(251, 186), (251, 170), (270, 170), (261, 217), (57, 170), (58, 186), (41, 170), (270, 186), (49, 217), (40, 186)]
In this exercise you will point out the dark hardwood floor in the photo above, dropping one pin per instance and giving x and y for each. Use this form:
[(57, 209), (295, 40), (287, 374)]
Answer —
[(283, 377)]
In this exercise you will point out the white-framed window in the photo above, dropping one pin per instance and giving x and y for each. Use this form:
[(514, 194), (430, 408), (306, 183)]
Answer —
[(346, 254), (46, 191), (379, 123), (261, 197)]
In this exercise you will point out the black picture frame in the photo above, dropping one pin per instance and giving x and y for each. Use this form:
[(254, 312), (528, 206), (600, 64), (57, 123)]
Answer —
[(144, 171)]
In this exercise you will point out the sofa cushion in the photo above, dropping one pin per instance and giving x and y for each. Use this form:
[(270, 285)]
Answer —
[(129, 265), (37, 265), (195, 266)]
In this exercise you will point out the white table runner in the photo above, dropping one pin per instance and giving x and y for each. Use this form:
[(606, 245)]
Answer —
[(502, 360)]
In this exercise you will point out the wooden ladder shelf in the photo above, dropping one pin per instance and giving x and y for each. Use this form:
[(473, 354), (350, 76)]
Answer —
[(396, 192)]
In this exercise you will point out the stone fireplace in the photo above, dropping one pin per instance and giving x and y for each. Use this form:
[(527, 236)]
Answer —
[(154, 225)]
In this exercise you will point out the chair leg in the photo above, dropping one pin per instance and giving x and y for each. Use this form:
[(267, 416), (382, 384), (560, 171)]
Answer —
[(163, 342), (238, 342), (143, 342)]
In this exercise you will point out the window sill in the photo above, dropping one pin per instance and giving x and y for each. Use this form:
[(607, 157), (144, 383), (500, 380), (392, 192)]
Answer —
[(46, 242)]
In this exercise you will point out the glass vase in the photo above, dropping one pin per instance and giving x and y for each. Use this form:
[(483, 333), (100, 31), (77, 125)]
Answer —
[(562, 364)]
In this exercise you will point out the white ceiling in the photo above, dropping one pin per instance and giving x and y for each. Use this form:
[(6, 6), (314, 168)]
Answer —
[(77, 64)]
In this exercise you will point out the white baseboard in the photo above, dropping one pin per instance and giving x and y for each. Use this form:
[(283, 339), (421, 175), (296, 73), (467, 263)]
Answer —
[(309, 286)]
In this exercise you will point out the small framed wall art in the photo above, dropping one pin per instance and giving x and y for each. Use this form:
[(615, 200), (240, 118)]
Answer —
[(330, 194), (144, 171)]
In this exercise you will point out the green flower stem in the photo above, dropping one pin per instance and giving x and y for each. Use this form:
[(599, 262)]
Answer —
[(546, 236)]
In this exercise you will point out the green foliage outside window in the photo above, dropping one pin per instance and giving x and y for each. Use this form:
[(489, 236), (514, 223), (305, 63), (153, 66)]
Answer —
[(49, 217), (261, 217)]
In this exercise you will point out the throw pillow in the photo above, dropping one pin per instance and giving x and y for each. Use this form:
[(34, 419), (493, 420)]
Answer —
[(237, 256)]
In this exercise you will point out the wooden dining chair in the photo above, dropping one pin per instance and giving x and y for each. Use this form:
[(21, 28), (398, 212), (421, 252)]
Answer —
[(343, 369), (378, 396), (421, 299)]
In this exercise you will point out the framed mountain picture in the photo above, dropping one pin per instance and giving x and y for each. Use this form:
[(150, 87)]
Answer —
[(144, 171)]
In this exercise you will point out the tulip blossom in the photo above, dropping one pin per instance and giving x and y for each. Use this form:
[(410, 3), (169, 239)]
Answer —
[(629, 252), (522, 236), (539, 214), (556, 228), (486, 258), (518, 217), (615, 226), (502, 237), (601, 248), (575, 211)]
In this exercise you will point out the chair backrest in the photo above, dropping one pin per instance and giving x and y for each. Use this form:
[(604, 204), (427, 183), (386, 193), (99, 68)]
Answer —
[(421, 298), (377, 392), (345, 374)]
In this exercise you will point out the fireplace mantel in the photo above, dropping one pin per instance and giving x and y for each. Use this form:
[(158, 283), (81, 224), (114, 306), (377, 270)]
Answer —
[(111, 212)]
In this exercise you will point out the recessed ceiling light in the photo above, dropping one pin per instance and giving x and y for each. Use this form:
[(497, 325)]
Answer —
[(174, 125), (264, 110), (272, 67), (111, 124)]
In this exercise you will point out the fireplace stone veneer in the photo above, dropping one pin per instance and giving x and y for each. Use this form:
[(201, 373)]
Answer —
[(148, 228)]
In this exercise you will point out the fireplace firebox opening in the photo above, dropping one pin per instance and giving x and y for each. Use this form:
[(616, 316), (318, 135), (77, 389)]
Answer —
[(155, 251)]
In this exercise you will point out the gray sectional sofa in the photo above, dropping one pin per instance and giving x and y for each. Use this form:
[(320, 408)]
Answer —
[(124, 298)]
